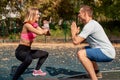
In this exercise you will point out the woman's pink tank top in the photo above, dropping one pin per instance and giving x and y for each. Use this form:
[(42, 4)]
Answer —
[(30, 35)]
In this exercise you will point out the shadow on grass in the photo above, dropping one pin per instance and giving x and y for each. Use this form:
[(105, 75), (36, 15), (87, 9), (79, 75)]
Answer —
[(54, 71), (14, 68), (9, 78), (5, 75)]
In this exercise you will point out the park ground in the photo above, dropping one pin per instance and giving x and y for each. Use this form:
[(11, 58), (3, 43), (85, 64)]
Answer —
[(62, 63)]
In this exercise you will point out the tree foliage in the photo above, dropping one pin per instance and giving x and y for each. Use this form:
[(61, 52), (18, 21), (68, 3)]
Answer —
[(104, 10), (66, 9)]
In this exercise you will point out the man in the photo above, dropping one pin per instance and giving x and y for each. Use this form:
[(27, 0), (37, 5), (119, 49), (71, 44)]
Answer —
[(100, 48)]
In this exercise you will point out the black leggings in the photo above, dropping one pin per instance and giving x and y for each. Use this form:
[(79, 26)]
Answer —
[(26, 55)]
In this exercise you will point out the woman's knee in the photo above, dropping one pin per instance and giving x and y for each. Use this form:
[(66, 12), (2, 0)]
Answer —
[(46, 54)]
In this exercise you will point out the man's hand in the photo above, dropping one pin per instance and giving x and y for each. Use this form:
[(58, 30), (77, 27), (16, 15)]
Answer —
[(74, 29)]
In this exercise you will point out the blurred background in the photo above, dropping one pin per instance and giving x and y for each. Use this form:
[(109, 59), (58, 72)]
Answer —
[(60, 14)]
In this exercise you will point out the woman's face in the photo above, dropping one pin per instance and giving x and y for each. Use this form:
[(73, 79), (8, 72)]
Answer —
[(37, 16)]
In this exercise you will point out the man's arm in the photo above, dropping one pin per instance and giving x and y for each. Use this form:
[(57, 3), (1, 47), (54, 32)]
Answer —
[(77, 39)]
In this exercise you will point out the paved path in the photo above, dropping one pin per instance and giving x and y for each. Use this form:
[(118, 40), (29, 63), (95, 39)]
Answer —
[(62, 63)]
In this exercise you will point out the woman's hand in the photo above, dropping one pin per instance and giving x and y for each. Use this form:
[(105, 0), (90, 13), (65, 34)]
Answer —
[(45, 30)]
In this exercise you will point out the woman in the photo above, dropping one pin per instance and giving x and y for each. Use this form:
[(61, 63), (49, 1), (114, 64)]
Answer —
[(23, 52)]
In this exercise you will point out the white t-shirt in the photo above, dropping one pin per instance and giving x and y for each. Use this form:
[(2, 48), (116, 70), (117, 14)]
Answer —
[(97, 38)]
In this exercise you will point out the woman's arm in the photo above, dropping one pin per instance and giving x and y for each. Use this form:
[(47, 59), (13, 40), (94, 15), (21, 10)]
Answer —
[(37, 30)]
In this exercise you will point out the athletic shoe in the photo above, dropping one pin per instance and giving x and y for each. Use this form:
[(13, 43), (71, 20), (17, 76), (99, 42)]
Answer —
[(99, 75), (38, 72)]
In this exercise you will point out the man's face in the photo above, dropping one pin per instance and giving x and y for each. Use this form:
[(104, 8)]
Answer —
[(81, 15)]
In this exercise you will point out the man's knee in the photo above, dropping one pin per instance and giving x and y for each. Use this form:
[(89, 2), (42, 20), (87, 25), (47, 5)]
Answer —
[(81, 54)]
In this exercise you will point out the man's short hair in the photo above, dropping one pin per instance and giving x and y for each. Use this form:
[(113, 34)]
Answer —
[(87, 9)]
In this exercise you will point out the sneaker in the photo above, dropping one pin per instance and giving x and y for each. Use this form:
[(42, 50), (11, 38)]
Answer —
[(38, 72), (99, 75)]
